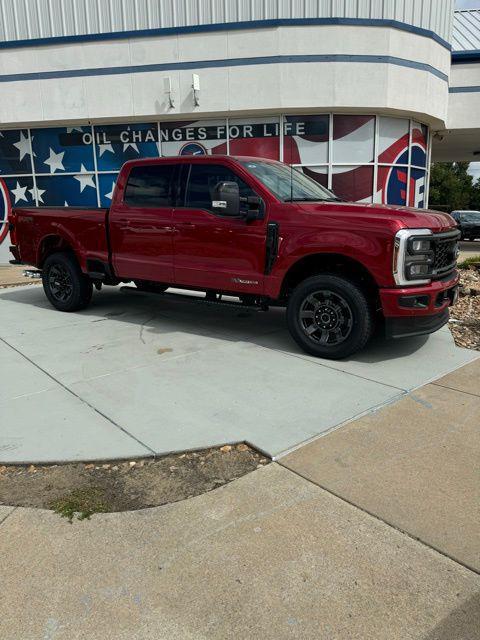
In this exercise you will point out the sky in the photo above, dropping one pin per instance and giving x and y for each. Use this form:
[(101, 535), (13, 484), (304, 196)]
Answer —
[(474, 169), (467, 4)]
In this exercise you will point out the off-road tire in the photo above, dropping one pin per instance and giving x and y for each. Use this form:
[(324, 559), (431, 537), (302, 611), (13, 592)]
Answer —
[(344, 303), (66, 287)]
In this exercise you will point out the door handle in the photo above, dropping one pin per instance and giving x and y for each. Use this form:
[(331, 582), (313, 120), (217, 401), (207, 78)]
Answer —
[(186, 225)]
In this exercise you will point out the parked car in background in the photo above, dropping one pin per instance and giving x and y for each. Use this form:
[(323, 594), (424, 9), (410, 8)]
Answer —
[(257, 230), (469, 224)]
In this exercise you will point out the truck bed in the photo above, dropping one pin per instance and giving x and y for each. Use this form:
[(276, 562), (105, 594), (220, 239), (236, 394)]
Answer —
[(82, 229)]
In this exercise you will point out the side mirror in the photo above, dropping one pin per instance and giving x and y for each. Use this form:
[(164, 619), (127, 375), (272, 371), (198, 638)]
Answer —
[(226, 199)]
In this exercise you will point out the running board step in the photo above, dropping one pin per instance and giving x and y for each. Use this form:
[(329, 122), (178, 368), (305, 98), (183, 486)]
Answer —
[(195, 299), (32, 273)]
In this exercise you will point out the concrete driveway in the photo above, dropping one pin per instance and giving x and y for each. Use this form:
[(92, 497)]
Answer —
[(137, 374)]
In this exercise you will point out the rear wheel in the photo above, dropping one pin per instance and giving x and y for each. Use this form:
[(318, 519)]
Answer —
[(329, 316), (66, 287), (150, 286)]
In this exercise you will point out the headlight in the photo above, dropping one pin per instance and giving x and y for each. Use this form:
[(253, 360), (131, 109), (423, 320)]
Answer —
[(413, 257), (419, 246)]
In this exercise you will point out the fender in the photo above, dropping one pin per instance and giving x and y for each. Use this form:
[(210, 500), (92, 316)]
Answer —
[(67, 239), (373, 250)]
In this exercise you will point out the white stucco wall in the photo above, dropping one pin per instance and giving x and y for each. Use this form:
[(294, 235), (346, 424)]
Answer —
[(464, 107), (353, 84)]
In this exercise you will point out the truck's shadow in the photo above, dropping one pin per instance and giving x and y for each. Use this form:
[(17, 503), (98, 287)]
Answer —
[(156, 314)]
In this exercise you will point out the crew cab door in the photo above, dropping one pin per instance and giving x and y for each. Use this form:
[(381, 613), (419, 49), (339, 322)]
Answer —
[(214, 251), (141, 232)]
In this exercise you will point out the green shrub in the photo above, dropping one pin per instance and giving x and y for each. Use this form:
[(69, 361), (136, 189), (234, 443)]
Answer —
[(468, 261)]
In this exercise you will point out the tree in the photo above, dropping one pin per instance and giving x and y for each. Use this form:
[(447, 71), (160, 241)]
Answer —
[(451, 186), (475, 199)]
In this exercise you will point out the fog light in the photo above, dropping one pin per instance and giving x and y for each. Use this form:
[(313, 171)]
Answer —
[(414, 302)]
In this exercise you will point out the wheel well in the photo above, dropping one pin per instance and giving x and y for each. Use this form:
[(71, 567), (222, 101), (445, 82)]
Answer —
[(329, 263), (49, 245)]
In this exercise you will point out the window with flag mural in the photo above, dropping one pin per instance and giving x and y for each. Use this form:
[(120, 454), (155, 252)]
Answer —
[(306, 139), (364, 157), (193, 138)]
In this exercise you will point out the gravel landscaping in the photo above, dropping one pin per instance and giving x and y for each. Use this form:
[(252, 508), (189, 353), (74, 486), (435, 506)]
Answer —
[(465, 315)]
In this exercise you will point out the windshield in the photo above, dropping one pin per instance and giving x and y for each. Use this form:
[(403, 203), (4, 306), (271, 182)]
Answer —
[(287, 183), (470, 216)]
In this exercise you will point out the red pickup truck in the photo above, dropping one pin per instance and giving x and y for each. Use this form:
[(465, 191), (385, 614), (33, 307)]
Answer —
[(257, 230)]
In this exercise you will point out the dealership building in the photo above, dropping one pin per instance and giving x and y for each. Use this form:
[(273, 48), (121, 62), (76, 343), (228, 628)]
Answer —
[(361, 95)]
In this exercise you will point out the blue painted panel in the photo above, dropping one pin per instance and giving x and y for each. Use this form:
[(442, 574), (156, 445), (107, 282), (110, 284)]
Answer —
[(117, 143), (15, 157), (62, 149), (106, 185), (21, 191), (79, 190)]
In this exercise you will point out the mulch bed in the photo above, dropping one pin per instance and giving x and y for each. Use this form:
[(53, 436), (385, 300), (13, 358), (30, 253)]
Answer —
[(77, 490)]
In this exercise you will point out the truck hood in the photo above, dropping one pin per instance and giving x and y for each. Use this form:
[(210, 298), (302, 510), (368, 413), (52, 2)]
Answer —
[(416, 218), (401, 217)]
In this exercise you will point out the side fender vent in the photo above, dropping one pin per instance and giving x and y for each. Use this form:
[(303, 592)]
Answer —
[(272, 246)]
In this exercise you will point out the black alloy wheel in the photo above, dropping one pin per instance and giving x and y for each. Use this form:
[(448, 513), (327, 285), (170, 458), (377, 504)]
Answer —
[(329, 316), (60, 282), (66, 287), (326, 317)]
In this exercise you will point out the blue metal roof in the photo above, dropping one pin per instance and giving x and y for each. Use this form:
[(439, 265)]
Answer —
[(466, 30)]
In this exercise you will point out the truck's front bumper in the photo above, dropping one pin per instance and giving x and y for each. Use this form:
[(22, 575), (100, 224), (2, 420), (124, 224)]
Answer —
[(413, 311), (416, 325)]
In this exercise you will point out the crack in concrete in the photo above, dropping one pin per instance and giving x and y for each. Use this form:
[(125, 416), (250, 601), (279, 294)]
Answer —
[(2, 520)]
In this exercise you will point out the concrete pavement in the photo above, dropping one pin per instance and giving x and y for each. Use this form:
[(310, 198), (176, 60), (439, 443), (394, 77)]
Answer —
[(270, 555), (414, 464), (469, 250), (137, 374)]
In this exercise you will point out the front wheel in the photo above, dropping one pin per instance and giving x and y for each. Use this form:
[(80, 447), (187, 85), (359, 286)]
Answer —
[(329, 316), (67, 288)]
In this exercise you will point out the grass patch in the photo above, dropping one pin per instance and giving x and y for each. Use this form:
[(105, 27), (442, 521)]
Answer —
[(81, 503), (468, 261)]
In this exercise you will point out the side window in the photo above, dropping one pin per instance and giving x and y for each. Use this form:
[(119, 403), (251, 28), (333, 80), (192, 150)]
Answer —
[(150, 186), (202, 181)]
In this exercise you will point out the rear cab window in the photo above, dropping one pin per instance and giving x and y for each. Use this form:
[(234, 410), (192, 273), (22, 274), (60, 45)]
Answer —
[(150, 186)]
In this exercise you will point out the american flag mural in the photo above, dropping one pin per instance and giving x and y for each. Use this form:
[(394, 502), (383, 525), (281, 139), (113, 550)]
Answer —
[(363, 158)]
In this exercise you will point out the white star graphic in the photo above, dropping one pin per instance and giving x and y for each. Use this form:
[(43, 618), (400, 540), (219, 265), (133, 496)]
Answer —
[(39, 194), (85, 179), (110, 195), (71, 129), (65, 204), (23, 146), (130, 144), (20, 193), (55, 161), (105, 147)]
